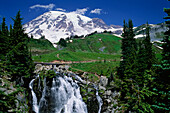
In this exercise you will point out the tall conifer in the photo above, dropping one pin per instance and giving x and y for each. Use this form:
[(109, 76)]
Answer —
[(4, 39), (19, 60), (161, 101)]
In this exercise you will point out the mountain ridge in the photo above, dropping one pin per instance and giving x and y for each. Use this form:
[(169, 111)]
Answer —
[(55, 25)]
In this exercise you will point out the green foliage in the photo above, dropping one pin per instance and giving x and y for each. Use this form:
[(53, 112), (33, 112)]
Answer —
[(50, 74), (129, 48), (15, 63), (162, 75), (62, 42), (8, 101), (4, 39), (145, 88), (134, 72), (18, 61), (42, 37)]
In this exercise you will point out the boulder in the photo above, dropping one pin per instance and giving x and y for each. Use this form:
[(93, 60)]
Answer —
[(103, 81)]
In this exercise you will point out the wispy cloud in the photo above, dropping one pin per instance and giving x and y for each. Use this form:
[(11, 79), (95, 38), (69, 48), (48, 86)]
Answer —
[(48, 7), (60, 9), (96, 11), (81, 11)]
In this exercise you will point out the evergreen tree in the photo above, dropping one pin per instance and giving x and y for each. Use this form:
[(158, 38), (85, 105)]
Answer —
[(129, 47), (121, 68), (19, 61), (136, 78), (149, 54), (62, 42), (15, 63), (4, 28), (145, 57), (127, 66), (161, 101), (18, 34), (4, 39)]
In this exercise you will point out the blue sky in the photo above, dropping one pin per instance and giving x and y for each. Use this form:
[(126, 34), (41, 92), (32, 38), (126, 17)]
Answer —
[(111, 11)]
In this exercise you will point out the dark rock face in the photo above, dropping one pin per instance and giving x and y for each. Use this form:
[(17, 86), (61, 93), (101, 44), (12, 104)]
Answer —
[(70, 27), (99, 23), (116, 26)]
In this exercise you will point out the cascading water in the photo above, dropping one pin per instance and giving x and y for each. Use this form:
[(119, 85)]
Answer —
[(63, 96), (99, 99), (34, 99)]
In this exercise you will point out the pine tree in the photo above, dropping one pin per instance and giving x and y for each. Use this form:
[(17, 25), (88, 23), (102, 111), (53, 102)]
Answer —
[(62, 42), (18, 34), (145, 57), (161, 101), (129, 48), (4, 39), (127, 65), (4, 28), (122, 65), (149, 54), (19, 61)]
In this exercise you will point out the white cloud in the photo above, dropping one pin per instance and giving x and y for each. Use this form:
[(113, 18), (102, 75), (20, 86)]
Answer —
[(81, 11), (49, 7), (96, 11), (60, 9)]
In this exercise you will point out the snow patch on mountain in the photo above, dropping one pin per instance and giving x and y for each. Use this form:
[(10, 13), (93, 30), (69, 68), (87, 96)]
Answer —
[(55, 25)]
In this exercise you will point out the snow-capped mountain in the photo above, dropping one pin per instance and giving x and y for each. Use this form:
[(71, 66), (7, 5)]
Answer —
[(156, 31), (55, 25)]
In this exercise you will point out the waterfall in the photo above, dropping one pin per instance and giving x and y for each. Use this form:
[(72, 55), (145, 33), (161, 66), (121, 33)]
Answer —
[(99, 99), (63, 96), (34, 99)]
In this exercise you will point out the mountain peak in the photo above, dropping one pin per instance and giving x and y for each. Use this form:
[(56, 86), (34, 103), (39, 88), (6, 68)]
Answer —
[(56, 24)]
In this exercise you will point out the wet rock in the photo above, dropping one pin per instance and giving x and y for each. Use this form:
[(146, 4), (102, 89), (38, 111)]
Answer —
[(102, 88), (103, 81), (108, 92)]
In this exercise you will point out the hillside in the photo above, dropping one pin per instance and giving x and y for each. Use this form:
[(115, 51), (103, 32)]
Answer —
[(96, 43), (95, 47), (40, 46)]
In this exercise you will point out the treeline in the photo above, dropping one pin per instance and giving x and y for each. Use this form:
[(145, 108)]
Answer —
[(144, 85), (15, 60)]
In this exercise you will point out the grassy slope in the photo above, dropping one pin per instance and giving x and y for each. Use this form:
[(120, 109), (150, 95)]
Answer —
[(40, 46), (86, 49), (95, 43), (100, 67), (74, 56)]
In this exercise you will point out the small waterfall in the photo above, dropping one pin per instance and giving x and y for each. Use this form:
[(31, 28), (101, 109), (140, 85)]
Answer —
[(63, 96), (34, 99), (99, 99)]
